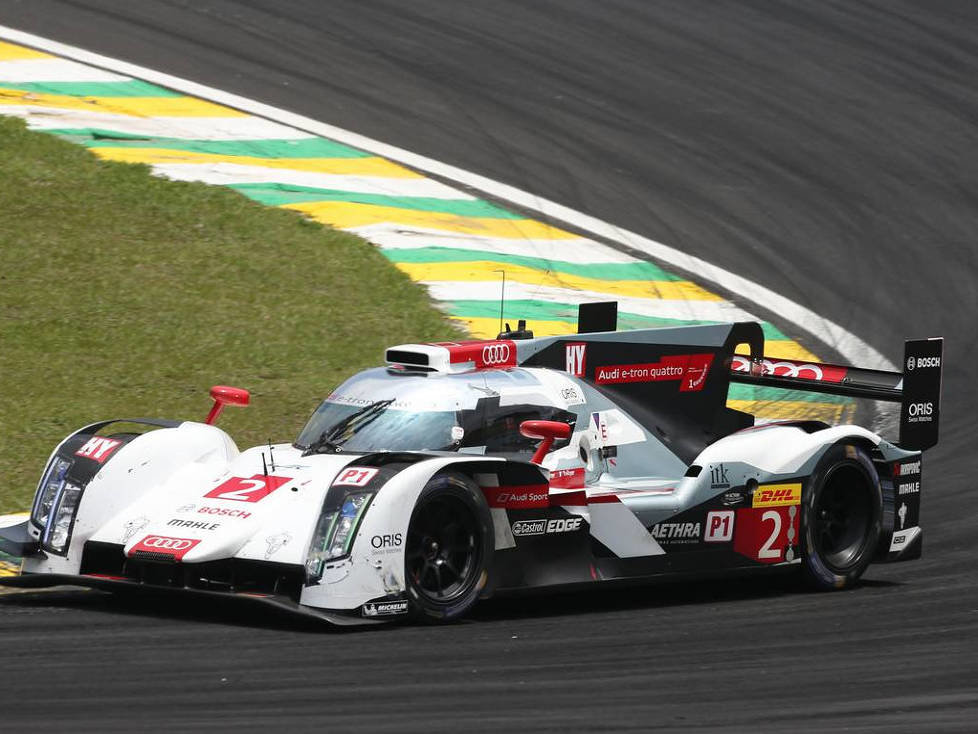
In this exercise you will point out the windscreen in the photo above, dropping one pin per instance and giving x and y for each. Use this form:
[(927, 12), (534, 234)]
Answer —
[(380, 428)]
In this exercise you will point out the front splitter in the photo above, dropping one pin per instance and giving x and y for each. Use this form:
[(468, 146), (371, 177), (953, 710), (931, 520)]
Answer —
[(108, 583)]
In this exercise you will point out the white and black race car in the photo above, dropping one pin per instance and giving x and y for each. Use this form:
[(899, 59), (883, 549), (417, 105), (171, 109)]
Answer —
[(463, 470)]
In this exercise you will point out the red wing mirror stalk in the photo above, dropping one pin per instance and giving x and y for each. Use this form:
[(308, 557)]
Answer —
[(224, 395), (547, 432)]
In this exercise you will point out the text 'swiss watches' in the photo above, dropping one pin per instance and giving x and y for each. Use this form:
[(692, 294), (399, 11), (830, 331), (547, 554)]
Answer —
[(464, 470)]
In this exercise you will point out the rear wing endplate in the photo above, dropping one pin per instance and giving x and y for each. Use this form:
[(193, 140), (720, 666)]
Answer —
[(917, 388)]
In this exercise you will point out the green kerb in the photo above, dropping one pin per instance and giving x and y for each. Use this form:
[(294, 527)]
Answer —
[(131, 88), (301, 148), (283, 194)]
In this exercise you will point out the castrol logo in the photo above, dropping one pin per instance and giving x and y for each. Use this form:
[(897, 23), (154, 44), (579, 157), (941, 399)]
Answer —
[(495, 354)]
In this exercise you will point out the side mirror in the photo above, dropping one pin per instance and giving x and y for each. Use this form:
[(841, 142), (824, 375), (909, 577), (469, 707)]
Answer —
[(224, 395), (547, 432)]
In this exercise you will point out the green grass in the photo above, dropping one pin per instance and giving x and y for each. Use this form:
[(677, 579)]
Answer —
[(125, 295)]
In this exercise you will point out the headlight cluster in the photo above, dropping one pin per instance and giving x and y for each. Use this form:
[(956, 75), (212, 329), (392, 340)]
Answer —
[(64, 516), (51, 483), (55, 505), (335, 533)]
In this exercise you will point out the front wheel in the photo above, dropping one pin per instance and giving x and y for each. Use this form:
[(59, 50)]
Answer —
[(449, 544), (842, 517)]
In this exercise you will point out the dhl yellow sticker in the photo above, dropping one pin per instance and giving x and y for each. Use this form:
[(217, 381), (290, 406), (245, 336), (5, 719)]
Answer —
[(777, 495)]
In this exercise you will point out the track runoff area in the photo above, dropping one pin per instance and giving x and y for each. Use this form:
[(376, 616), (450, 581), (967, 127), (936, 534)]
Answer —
[(455, 244)]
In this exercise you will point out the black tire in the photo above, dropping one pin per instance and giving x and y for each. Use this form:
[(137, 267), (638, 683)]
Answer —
[(841, 518), (449, 545)]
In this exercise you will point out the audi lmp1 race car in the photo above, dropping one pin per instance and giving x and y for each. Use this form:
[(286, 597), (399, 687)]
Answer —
[(463, 470)]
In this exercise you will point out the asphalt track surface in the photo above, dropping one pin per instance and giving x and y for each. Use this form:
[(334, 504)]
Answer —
[(826, 150)]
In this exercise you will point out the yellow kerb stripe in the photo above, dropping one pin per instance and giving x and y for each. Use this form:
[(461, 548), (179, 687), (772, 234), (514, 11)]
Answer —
[(132, 106), (833, 413), (338, 166), (680, 290), (787, 349), (345, 215), (485, 328), (13, 52)]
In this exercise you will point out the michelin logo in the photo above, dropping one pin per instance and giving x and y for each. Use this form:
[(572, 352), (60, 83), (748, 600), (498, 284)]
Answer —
[(385, 608)]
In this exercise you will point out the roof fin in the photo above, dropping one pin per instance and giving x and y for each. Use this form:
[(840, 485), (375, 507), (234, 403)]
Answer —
[(601, 316)]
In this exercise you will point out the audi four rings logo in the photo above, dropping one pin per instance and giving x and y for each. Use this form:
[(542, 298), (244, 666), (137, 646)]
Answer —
[(176, 548), (158, 541), (495, 354)]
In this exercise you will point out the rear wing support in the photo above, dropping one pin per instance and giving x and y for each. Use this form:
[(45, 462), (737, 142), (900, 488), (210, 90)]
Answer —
[(917, 388)]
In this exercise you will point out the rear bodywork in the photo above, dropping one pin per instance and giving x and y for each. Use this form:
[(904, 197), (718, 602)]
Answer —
[(658, 477)]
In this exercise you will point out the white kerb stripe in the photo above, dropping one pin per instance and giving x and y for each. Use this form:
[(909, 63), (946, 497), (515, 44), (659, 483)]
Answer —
[(7, 520), (191, 128), (226, 174), (54, 70), (393, 236)]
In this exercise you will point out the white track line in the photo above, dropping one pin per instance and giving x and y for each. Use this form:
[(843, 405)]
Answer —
[(54, 70), (850, 346)]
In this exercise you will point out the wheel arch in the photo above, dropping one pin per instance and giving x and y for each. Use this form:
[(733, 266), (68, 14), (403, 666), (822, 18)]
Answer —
[(855, 451)]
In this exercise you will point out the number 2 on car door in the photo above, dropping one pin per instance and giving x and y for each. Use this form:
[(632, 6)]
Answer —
[(766, 551)]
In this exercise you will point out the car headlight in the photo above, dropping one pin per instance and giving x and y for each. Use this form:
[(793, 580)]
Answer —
[(335, 533), (60, 530), (55, 505), (47, 491)]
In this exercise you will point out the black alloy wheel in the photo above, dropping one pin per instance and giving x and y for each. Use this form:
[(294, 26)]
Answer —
[(448, 548), (442, 549), (842, 517)]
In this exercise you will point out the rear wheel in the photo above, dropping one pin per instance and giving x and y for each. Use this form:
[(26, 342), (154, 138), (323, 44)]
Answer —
[(449, 544), (842, 518)]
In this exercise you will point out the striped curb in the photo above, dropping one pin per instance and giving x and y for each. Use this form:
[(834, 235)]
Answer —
[(442, 237), (10, 565)]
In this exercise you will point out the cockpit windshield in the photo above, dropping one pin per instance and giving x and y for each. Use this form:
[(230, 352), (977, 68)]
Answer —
[(479, 412), (379, 426)]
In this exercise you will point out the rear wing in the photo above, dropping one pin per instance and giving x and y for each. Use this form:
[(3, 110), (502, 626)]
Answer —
[(917, 388)]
